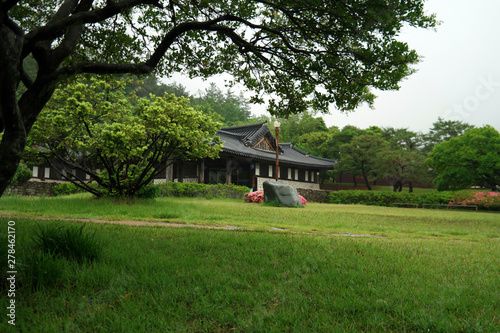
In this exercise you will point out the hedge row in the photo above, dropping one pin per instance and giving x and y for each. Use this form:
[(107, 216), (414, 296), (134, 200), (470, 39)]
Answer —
[(171, 189), (382, 198), (488, 201)]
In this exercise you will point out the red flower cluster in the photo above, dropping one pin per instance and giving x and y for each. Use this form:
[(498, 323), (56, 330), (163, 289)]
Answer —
[(257, 196), (481, 199)]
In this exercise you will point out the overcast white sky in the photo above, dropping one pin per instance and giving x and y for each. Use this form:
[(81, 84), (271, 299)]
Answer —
[(457, 79)]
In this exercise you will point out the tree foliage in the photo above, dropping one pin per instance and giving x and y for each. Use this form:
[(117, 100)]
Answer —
[(307, 53), (444, 130), (144, 86), (401, 166), (470, 159), (23, 174), (119, 141), (293, 127), (234, 109), (360, 155)]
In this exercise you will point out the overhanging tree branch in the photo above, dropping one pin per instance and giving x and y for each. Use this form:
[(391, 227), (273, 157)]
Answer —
[(58, 27), (291, 49)]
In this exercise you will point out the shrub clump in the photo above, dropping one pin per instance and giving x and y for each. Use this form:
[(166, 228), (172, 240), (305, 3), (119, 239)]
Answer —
[(72, 242), (65, 189), (22, 175)]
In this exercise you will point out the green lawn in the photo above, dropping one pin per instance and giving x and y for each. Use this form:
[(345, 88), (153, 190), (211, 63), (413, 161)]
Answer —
[(314, 218), (422, 270)]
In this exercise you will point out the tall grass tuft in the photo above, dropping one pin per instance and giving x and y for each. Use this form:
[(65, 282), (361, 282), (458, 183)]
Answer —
[(3, 261), (42, 269), (72, 242)]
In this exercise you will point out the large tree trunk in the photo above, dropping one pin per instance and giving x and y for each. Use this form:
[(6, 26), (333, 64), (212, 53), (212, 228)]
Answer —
[(14, 135), (397, 186), (11, 151), (18, 119), (18, 116)]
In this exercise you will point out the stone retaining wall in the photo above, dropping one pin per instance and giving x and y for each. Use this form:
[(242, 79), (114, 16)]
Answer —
[(33, 187), (320, 196)]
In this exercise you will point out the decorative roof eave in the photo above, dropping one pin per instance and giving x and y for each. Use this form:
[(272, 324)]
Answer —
[(282, 160)]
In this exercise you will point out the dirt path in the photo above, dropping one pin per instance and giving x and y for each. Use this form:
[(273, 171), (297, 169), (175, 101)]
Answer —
[(169, 224), (122, 222)]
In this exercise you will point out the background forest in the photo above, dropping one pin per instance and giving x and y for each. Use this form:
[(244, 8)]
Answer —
[(396, 155)]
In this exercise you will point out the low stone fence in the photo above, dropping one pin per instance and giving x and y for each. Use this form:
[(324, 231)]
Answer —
[(320, 196), (33, 187)]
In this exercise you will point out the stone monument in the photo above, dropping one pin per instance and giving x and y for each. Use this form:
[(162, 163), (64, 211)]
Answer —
[(281, 193)]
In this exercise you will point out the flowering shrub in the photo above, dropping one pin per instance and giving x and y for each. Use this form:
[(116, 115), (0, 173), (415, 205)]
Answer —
[(484, 200), (258, 196)]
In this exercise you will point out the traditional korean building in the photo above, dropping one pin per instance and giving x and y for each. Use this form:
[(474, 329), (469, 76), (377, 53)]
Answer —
[(248, 158)]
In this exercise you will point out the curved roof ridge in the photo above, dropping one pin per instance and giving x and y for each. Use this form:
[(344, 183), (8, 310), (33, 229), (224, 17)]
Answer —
[(309, 155), (230, 133), (300, 151), (237, 128)]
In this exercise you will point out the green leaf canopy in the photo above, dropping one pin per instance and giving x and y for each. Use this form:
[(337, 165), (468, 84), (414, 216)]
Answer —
[(467, 160), (120, 141)]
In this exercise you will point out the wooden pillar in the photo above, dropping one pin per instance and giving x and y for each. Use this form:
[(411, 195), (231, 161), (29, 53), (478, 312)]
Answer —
[(169, 171), (228, 171), (202, 171), (180, 172), (253, 176)]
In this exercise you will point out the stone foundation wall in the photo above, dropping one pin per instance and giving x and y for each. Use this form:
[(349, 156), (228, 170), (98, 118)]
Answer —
[(185, 180), (320, 196), (33, 187)]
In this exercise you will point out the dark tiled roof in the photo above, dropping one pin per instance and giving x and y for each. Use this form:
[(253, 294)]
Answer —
[(246, 130), (240, 140), (250, 134)]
